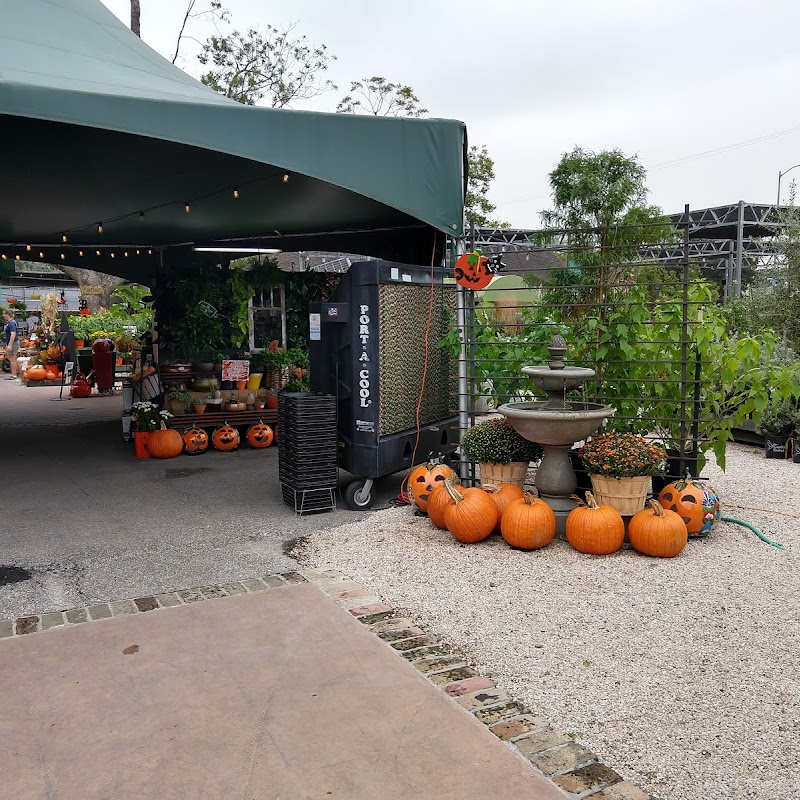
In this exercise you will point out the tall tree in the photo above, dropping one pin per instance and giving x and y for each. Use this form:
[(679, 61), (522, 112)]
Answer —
[(214, 13), (477, 206), (381, 98), (136, 18), (275, 65), (96, 287), (599, 199)]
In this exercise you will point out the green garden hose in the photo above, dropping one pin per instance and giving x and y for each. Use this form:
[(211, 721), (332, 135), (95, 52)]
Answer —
[(755, 530)]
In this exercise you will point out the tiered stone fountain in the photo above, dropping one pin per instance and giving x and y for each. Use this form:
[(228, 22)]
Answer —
[(556, 424)]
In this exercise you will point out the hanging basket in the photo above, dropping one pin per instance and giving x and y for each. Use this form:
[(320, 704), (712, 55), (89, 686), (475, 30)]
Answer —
[(515, 473), (626, 495)]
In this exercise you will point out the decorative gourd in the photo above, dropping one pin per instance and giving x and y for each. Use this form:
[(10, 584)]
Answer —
[(528, 523), (195, 441), (165, 443), (439, 500), (425, 478), (595, 529), (472, 516), (657, 531), (503, 495), (101, 346), (226, 437), (259, 435), (695, 502), (37, 373), (81, 386)]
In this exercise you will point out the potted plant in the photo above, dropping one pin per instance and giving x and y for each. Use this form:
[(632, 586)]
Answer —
[(214, 399), (271, 399), (147, 417), (621, 466), (776, 426), (179, 401), (501, 453), (199, 405), (258, 404)]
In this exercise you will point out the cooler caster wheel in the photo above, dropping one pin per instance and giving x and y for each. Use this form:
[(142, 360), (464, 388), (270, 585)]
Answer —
[(359, 495)]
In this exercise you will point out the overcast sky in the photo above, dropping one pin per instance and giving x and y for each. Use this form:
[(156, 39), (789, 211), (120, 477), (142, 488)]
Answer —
[(666, 81)]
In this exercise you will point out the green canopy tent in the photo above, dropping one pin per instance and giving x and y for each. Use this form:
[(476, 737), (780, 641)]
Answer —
[(115, 160)]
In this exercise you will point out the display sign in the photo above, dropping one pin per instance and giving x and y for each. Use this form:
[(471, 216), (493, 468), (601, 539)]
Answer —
[(314, 327), (235, 370), (475, 271)]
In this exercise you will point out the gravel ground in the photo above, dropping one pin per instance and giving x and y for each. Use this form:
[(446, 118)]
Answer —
[(681, 674)]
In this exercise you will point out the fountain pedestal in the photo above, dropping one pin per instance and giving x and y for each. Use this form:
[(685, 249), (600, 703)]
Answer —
[(556, 424)]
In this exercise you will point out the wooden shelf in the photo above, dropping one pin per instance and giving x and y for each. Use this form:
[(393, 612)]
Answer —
[(214, 418)]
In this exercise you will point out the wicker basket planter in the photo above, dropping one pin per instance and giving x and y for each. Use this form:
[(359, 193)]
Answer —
[(515, 473), (627, 495)]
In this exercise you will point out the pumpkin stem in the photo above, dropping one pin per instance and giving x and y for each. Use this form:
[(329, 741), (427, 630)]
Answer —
[(490, 487), (658, 509), (163, 426), (530, 499), (590, 501), (452, 491), (578, 500)]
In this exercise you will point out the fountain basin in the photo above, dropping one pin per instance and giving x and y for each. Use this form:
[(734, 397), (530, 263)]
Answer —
[(554, 381), (539, 422)]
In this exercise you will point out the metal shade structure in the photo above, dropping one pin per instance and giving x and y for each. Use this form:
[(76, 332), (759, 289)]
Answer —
[(108, 145)]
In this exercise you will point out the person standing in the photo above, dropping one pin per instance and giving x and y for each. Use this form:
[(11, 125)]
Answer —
[(32, 322), (11, 339)]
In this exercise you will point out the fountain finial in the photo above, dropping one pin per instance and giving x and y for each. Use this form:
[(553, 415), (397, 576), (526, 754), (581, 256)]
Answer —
[(557, 348)]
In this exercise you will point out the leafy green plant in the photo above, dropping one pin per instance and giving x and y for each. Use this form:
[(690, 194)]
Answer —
[(241, 293), (778, 418), (495, 441)]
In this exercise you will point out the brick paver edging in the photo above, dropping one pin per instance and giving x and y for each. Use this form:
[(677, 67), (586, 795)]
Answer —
[(577, 772)]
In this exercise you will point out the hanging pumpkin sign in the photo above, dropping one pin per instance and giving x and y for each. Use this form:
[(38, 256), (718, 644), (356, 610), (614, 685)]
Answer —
[(225, 437), (259, 435), (475, 271), (195, 441)]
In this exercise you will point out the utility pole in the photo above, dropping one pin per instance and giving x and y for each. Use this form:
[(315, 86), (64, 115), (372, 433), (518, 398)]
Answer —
[(136, 14)]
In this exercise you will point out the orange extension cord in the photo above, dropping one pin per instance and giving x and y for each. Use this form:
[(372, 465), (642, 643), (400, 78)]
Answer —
[(404, 497)]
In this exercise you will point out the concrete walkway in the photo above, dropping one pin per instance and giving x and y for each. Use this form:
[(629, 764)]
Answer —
[(278, 695)]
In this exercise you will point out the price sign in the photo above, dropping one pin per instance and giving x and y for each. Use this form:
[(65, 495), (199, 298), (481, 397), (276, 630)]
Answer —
[(235, 370)]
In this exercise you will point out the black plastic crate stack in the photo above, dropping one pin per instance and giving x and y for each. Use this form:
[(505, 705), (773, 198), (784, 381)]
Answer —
[(307, 451)]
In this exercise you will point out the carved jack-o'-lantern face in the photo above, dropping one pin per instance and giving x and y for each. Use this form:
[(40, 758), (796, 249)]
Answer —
[(696, 503), (259, 435), (425, 478), (471, 271), (225, 438), (195, 441)]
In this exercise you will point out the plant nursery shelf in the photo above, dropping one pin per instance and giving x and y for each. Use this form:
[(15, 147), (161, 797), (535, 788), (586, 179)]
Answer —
[(208, 420)]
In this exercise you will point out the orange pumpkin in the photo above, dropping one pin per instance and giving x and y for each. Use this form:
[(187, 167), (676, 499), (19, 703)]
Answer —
[(195, 441), (472, 516), (259, 435), (503, 495), (528, 523), (439, 500), (37, 373), (165, 443), (657, 531), (226, 437), (594, 529), (425, 478), (696, 503)]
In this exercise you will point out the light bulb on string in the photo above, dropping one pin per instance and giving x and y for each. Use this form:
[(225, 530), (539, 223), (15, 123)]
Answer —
[(17, 257), (236, 192), (286, 177), (41, 254), (62, 256), (137, 252), (126, 254), (5, 257), (186, 207), (113, 255), (99, 227), (149, 252), (64, 238), (98, 252), (28, 247), (80, 253), (141, 216)]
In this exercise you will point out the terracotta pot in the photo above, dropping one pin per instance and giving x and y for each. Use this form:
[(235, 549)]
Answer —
[(241, 385), (199, 408), (259, 405), (271, 400), (80, 342), (52, 371)]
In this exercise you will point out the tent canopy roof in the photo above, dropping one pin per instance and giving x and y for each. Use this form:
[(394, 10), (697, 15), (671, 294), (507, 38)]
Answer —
[(98, 128)]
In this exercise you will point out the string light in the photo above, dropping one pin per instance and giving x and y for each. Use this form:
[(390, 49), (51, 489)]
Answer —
[(62, 256), (236, 192), (149, 252), (28, 247), (5, 257), (186, 207), (98, 252), (99, 227), (113, 254), (80, 253), (126, 254), (17, 257), (286, 177), (64, 238), (41, 254), (141, 216), (137, 252)]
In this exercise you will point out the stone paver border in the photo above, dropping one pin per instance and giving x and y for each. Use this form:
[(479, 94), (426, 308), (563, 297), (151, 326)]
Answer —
[(577, 772)]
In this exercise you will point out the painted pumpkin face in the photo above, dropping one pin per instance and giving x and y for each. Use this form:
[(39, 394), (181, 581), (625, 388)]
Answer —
[(471, 271), (696, 503), (425, 478), (225, 438), (195, 441), (259, 435)]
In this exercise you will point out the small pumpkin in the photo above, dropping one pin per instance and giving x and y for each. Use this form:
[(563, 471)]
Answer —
[(37, 373), (425, 478), (259, 435), (439, 500), (472, 516), (695, 502), (528, 523), (195, 441), (595, 529), (165, 443), (503, 495), (657, 531), (226, 437)]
